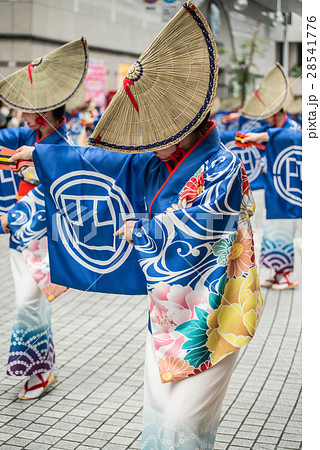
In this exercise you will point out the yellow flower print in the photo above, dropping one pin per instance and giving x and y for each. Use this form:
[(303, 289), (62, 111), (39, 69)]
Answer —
[(233, 324)]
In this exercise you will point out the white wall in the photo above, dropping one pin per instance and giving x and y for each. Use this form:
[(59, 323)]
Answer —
[(126, 27)]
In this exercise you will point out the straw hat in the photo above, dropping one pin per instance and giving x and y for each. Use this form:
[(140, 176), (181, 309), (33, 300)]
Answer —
[(47, 82), (167, 92), (272, 94), (296, 106)]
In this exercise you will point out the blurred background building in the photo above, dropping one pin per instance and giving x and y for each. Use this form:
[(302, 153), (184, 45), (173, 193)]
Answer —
[(119, 30)]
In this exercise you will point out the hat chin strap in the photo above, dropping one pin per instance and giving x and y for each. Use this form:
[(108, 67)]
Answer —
[(178, 154), (41, 121)]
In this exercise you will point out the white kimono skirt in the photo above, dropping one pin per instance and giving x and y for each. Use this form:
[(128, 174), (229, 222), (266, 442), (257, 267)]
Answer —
[(183, 414)]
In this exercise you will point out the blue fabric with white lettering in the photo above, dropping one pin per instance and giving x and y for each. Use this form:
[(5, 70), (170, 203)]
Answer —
[(283, 193)]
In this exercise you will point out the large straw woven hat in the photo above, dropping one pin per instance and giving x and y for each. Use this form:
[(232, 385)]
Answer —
[(272, 94), (167, 92), (48, 82)]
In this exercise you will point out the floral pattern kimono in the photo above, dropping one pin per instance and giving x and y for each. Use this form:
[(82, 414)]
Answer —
[(197, 323)]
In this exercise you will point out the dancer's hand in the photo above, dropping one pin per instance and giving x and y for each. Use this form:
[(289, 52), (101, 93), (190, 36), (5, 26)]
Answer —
[(258, 138), (24, 152), (126, 231), (4, 223)]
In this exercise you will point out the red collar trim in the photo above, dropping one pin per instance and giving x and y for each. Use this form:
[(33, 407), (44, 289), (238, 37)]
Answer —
[(62, 121), (172, 171)]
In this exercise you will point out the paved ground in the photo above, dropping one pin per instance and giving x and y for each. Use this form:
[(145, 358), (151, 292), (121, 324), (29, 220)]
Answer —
[(97, 401)]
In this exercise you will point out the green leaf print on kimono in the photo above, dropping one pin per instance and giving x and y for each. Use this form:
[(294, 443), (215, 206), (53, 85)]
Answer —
[(196, 330), (221, 249), (215, 298)]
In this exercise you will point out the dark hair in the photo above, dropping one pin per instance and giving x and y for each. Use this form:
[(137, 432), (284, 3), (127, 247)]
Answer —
[(59, 112), (202, 124)]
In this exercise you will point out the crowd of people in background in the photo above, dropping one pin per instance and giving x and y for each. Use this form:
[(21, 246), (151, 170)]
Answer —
[(80, 120), (10, 118)]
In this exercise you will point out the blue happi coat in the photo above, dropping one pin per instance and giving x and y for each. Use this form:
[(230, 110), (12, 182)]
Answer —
[(193, 248)]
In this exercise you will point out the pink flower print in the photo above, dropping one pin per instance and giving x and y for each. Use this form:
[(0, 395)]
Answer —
[(169, 307)]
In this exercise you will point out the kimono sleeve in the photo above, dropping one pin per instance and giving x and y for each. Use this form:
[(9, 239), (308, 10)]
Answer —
[(89, 192), (11, 138)]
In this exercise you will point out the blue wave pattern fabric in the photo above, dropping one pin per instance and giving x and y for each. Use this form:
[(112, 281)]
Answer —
[(249, 125), (9, 183), (86, 207), (297, 118), (283, 195), (28, 219)]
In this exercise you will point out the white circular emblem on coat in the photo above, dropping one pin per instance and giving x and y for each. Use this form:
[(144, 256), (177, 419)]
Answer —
[(287, 174), (91, 208)]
